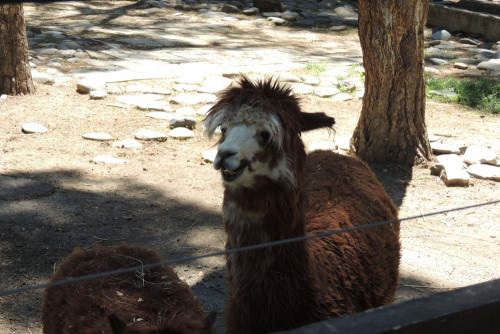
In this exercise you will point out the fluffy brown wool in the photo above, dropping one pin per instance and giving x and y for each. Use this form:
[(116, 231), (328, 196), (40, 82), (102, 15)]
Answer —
[(274, 191), (146, 301)]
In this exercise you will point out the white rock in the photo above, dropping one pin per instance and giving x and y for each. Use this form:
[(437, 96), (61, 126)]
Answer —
[(99, 136), (450, 159), (42, 77), (33, 128), (163, 115), (215, 84), (288, 77), (310, 79), (3, 97), (190, 99), (186, 87), (439, 148), (326, 91), (127, 143), (185, 122), (186, 111), (209, 155), (204, 109), (476, 154), (343, 143), (147, 89), (485, 172), (98, 94), (299, 88), (181, 133), (107, 159), (85, 86), (154, 105), (150, 135), (276, 20), (433, 138), (193, 79), (453, 175), (342, 97)]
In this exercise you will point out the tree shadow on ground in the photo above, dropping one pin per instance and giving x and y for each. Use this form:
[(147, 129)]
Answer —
[(42, 220)]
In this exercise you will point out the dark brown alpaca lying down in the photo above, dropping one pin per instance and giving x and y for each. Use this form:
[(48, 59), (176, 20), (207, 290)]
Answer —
[(146, 301), (274, 190)]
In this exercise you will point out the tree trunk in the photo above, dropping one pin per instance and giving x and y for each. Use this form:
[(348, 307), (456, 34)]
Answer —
[(15, 72), (392, 127), (268, 5)]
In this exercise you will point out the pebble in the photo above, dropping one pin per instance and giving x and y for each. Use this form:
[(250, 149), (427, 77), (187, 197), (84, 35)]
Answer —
[(33, 128), (42, 77), (181, 133), (85, 86), (461, 66), (98, 94), (276, 20), (128, 143), (98, 136), (150, 135), (107, 159)]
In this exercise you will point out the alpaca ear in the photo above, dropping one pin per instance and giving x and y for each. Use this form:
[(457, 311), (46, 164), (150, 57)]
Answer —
[(117, 325), (313, 121), (210, 319)]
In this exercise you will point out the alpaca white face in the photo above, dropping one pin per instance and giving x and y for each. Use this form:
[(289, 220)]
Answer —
[(250, 149)]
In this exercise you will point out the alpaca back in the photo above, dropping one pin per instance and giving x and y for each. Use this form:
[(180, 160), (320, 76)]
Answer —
[(358, 269), (137, 297)]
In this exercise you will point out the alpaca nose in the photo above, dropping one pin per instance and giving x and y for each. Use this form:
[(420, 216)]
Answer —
[(220, 159)]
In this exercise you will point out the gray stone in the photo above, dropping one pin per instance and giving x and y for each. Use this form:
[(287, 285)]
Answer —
[(312, 22), (97, 136), (147, 90), (276, 20), (215, 84), (230, 9), (181, 133), (288, 77), (470, 41), (163, 115), (439, 148), (33, 128), (308, 15), (338, 28), (107, 159), (437, 61), (491, 65), (453, 176), (342, 97), (192, 79), (251, 11), (186, 111), (98, 94), (476, 154), (300, 88), (485, 172), (290, 16), (190, 99), (461, 66), (127, 143), (47, 51), (150, 135), (271, 14), (431, 70), (85, 86), (326, 91), (345, 10), (183, 122), (68, 45), (154, 105), (135, 100), (351, 21), (441, 34), (42, 77), (309, 80)]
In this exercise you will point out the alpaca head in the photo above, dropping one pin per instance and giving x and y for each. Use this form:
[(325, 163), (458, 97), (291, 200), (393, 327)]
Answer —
[(261, 124)]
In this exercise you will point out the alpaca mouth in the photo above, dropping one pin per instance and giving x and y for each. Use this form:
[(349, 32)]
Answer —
[(231, 175)]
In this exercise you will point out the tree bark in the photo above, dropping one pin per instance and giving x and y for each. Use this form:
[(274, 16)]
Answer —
[(15, 72), (392, 127), (268, 5)]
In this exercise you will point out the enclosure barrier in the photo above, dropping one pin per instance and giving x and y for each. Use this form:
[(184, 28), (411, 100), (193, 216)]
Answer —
[(473, 309)]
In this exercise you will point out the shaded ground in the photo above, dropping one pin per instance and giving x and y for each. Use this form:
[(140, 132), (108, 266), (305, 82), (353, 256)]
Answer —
[(52, 198)]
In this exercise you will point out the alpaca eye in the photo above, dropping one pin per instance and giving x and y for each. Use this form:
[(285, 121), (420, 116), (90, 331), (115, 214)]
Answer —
[(265, 135)]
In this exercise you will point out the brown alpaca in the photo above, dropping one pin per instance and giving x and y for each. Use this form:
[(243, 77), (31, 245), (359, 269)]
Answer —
[(150, 301), (274, 191)]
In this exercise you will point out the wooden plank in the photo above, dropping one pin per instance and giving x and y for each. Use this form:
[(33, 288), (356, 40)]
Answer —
[(472, 309)]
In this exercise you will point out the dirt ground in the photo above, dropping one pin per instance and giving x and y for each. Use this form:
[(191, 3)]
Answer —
[(167, 198)]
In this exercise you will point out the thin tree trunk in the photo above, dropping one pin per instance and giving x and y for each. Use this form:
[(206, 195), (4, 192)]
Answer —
[(392, 127), (15, 72)]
